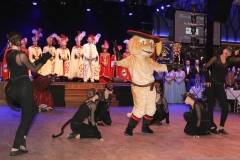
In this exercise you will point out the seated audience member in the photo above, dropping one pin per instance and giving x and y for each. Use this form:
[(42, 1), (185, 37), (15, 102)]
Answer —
[(230, 81), (198, 121), (198, 81)]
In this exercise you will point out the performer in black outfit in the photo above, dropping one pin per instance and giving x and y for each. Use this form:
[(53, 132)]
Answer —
[(19, 89), (102, 112), (162, 111), (198, 121), (214, 85), (86, 110)]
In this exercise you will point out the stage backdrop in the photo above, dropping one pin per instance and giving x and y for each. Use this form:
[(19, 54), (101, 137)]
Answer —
[(111, 20)]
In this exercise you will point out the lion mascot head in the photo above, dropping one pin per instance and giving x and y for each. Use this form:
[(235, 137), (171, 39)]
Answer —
[(142, 43)]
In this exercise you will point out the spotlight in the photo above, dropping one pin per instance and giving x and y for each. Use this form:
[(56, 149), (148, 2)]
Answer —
[(168, 5), (162, 7), (130, 14), (63, 3), (34, 3), (88, 9), (157, 10), (121, 0)]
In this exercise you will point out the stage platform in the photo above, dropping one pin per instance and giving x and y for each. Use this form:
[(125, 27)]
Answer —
[(166, 143), (72, 94)]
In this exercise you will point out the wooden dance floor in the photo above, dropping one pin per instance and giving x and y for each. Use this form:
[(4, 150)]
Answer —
[(167, 142)]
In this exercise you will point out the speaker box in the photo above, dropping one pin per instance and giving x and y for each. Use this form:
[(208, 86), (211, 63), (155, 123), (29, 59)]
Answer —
[(170, 13), (58, 94), (219, 10)]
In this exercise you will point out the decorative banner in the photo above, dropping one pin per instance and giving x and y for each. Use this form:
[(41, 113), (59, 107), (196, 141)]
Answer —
[(166, 56)]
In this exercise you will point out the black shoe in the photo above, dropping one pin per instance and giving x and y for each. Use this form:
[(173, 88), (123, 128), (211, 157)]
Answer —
[(214, 131), (147, 130), (72, 135), (23, 145), (222, 131), (128, 132), (158, 123), (19, 152), (208, 133)]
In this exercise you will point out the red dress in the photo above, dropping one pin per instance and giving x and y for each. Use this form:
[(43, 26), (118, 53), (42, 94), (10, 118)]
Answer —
[(116, 71), (25, 50), (5, 69), (41, 95), (125, 73), (105, 68)]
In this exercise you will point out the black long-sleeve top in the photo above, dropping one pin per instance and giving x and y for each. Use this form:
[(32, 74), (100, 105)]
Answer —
[(219, 69)]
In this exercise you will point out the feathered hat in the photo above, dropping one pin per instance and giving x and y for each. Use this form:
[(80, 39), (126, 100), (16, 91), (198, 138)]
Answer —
[(80, 36), (52, 38), (61, 39), (105, 45), (126, 41), (24, 41), (96, 38), (37, 33)]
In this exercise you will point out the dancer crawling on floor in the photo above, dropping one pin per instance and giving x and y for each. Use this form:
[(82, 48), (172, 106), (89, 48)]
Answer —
[(162, 111), (102, 112), (86, 110), (198, 121)]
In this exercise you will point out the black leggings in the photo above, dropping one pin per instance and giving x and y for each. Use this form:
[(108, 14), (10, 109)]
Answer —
[(102, 113), (217, 90), (22, 92), (85, 130), (160, 114)]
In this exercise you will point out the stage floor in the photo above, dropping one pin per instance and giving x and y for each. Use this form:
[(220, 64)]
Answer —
[(167, 142)]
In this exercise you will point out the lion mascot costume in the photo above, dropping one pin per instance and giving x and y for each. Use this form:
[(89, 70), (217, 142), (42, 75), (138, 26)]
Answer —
[(141, 67)]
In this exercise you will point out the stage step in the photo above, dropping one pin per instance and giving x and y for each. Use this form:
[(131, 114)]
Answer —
[(113, 103), (73, 97), (79, 90)]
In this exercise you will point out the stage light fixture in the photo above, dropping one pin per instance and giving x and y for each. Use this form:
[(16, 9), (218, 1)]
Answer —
[(157, 10), (121, 0), (168, 5), (88, 9), (63, 2), (34, 3), (162, 7), (130, 13)]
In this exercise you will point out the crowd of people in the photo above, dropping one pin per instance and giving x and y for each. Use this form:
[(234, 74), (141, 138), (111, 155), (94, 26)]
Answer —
[(149, 103), (81, 63), (180, 79)]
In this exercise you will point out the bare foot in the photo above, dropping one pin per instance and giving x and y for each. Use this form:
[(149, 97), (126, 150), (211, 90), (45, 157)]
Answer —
[(77, 137), (101, 139), (14, 149)]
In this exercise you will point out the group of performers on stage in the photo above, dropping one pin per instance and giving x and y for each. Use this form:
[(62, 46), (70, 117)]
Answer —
[(83, 63), (149, 104)]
